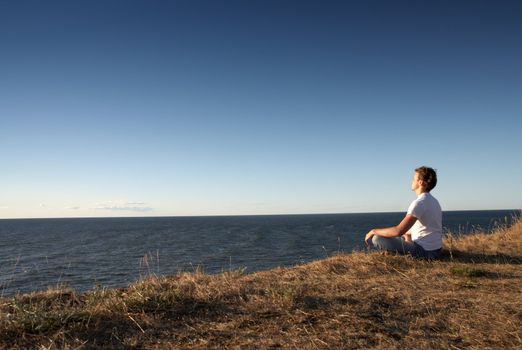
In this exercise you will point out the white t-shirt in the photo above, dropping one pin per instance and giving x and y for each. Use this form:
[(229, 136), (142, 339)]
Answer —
[(427, 230)]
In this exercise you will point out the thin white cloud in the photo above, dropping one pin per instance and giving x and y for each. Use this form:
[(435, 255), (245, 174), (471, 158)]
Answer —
[(123, 206), (4, 207), (72, 208), (42, 205)]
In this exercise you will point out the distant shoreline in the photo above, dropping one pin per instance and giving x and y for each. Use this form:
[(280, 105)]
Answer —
[(252, 215)]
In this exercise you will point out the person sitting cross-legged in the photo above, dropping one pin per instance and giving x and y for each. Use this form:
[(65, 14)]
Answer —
[(420, 232)]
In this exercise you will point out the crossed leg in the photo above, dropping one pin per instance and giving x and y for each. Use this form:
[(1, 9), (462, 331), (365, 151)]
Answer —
[(399, 245), (395, 244)]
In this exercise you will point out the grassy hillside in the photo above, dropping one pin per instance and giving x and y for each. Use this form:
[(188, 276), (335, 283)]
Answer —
[(471, 299)]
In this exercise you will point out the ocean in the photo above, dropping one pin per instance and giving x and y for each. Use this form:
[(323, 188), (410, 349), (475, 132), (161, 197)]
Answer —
[(84, 253)]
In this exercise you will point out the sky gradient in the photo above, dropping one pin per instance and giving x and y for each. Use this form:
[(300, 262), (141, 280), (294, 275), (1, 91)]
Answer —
[(135, 108)]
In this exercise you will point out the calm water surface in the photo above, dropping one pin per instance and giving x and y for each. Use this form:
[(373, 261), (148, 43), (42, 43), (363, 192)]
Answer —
[(113, 252)]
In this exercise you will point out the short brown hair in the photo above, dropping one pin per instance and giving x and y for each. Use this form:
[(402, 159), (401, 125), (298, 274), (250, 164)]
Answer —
[(428, 176)]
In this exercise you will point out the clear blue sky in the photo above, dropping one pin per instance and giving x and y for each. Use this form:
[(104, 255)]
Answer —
[(133, 108)]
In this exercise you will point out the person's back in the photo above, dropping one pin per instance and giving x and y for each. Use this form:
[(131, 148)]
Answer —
[(427, 230)]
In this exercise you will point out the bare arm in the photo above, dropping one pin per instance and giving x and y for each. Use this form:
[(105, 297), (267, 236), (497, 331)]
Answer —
[(394, 231)]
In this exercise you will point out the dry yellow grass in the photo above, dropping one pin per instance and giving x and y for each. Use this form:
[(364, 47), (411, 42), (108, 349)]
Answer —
[(471, 299)]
